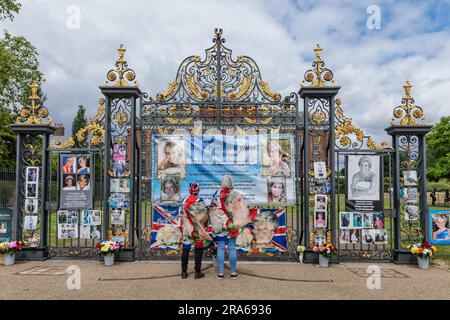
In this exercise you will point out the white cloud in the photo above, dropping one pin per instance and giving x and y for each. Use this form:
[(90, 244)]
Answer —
[(370, 65)]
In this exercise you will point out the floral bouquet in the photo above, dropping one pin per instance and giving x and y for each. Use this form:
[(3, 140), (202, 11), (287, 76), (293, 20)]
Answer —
[(11, 247), (108, 247), (325, 249), (423, 250), (301, 249)]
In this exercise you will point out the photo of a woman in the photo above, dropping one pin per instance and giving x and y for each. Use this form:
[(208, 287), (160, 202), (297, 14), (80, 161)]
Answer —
[(364, 184), (320, 220), (170, 189), (277, 166), (83, 166), (83, 182), (355, 236), (276, 190), (68, 165), (440, 227), (172, 162), (69, 183)]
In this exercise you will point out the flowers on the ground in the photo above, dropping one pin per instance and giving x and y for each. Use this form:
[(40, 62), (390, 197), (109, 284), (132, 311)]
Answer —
[(108, 247), (10, 247), (423, 250), (301, 249), (325, 249)]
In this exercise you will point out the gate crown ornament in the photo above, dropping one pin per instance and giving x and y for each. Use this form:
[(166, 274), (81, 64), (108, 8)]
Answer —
[(121, 70), (408, 112), (319, 75), (34, 113)]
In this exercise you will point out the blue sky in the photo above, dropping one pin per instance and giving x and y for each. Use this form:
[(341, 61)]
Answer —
[(371, 66)]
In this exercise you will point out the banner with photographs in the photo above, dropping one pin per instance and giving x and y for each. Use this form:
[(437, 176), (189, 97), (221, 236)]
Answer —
[(364, 183), (362, 228), (77, 182), (439, 227), (409, 195), (262, 167), (265, 233), (83, 224)]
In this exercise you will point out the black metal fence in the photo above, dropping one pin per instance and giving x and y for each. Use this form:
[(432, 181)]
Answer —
[(7, 187)]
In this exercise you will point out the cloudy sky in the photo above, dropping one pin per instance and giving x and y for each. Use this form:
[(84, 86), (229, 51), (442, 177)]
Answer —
[(371, 64)]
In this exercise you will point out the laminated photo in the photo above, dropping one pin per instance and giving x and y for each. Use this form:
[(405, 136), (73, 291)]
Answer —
[(320, 170), (355, 236), (363, 178), (381, 236), (411, 213), (368, 219), (410, 178), (345, 220), (30, 222), (31, 206), (118, 217), (368, 236), (357, 220), (344, 236), (439, 226)]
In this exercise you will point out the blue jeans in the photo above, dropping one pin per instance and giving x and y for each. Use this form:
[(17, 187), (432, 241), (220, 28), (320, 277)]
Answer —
[(221, 244)]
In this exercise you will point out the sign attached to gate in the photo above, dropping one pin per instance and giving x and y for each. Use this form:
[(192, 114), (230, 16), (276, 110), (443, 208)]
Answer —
[(262, 166), (76, 181)]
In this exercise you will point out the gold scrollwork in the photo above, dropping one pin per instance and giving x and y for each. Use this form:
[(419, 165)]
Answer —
[(319, 75), (266, 89), (121, 72), (408, 113), (162, 96), (34, 113), (193, 85)]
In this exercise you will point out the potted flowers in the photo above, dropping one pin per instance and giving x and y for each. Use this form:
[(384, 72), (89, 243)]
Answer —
[(325, 251), (424, 251), (8, 250), (107, 249), (300, 250)]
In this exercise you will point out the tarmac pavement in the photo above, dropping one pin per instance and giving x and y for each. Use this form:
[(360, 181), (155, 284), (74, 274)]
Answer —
[(257, 280)]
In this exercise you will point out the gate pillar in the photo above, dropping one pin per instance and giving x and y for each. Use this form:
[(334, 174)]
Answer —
[(121, 93), (408, 131), (30, 219), (318, 145)]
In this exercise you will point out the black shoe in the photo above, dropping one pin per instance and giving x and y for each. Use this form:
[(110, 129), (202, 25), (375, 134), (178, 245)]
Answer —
[(184, 275), (220, 276), (199, 275), (234, 276)]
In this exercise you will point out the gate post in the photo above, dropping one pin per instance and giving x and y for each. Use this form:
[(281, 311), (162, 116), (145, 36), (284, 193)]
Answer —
[(408, 131), (120, 122), (33, 129), (318, 122)]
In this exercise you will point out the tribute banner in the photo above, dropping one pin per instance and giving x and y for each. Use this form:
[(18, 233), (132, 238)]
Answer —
[(76, 181), (265, 233), (262, 166)]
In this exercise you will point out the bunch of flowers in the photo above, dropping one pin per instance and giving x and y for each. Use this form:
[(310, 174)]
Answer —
[(423, 250), (325, 249), (301, 249), (108, 247), (11, 247)]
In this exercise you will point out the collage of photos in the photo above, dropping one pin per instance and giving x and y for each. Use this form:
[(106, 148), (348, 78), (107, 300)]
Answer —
[(31, 198), (320, 187), (67, 224), (76, 173), (119, 159), (362, 228), (90, 224), (410, 195)]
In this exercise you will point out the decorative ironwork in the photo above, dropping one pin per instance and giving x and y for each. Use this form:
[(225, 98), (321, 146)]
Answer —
[(365, 254), (349, 136), (410, 161), (121, 74), (95, 129), (408, 113), (319, 75), (219, 90), (120, 116), (34, 113)]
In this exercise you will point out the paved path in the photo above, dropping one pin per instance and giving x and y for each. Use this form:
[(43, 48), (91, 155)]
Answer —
[(161, 280)]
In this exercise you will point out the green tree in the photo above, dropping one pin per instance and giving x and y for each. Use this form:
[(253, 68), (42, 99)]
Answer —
[(438, 150), (79, 122), (8, 8)]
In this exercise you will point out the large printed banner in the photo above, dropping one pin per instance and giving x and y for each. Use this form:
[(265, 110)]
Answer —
[(262, 167), (76, 181), (265, 233)]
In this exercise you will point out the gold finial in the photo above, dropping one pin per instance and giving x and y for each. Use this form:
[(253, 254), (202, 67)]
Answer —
[(319, 75), (125, 74), (408, 113), (34, 113), (218, 36)]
